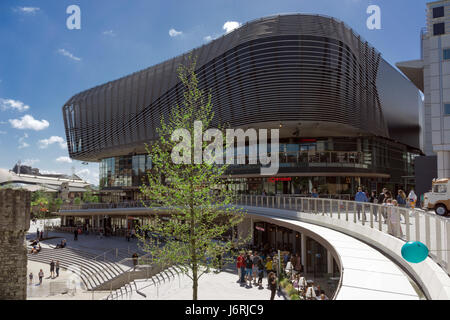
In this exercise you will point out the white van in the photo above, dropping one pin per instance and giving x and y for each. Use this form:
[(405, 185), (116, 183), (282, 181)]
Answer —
[(439, 197)]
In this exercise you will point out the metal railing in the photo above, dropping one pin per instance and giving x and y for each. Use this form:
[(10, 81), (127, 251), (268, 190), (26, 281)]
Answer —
[(403, 223)]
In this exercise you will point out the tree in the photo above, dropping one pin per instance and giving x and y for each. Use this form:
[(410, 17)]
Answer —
[(201, 212), (40, 205)]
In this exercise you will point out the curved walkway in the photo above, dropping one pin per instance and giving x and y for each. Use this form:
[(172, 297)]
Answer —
[(367, 273)]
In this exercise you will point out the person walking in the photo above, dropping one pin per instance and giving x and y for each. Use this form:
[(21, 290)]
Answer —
[(248, 269), (52, 269), (401, 198), (41, 235), (135, 260), (361, 198), (30, 277), (75, 235), (373, 200), (260, 273), (239, 262), (57, 268), (41, 276), (255, 260), (272, 280), (37, 234)]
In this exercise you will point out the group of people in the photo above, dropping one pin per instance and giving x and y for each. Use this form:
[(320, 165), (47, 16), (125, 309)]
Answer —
[(54, 272), (389, 210), (253, 266)]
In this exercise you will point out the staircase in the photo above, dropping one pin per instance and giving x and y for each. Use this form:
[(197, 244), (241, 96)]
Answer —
[(93, 271), (130, 290)]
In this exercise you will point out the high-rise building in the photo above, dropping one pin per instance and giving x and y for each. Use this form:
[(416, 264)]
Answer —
[(431, 74)]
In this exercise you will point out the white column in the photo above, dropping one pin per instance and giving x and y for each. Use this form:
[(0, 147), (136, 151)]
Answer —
[(329, 262), (303, 251)]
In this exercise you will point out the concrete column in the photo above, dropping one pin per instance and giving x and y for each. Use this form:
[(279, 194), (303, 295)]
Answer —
[(98, 221), (329, 262), (14, 222), (293, 241), (93, 222), (126, 222), (303, 251), (443, 164)]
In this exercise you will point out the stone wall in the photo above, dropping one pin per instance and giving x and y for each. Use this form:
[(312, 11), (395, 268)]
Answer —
[(14, 223)]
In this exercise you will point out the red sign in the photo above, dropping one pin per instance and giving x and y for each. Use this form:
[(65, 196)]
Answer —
[(279, 179), (260, 229)]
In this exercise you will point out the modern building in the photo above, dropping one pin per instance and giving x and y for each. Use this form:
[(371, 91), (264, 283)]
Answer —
[(346, 116), (431, 74)]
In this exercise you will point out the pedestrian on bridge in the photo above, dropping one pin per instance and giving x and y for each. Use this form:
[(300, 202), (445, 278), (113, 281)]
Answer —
[(360, 197)]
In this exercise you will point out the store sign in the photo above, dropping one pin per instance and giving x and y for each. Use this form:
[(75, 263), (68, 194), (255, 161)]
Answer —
[(260, 229), (279, 179)]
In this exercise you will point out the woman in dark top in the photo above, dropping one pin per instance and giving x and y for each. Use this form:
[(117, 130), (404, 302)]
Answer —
[(272, 279)]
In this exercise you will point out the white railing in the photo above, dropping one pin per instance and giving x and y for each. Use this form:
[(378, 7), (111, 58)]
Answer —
[(404, 223)]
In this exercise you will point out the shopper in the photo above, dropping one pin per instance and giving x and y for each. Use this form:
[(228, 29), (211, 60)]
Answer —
[(41, 276), (360, 197), (57, 268), (272, 281), (52, 269)]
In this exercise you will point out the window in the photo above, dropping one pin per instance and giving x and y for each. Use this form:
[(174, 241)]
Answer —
[(438, 12), (447, 109), (446, 54), (440, 188), (438, 28)]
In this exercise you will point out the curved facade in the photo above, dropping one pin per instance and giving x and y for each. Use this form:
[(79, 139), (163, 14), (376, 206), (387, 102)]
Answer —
[(310, 73)]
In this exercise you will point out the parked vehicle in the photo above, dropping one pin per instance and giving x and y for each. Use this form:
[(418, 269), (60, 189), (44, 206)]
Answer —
[(438, 199)]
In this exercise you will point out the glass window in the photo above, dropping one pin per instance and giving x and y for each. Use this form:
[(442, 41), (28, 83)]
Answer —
[(447, 109), (446, 54), (438, 28), (438, 12), (440, 188)]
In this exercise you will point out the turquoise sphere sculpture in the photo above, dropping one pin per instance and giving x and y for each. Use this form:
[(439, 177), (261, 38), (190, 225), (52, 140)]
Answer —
[(415, 252)]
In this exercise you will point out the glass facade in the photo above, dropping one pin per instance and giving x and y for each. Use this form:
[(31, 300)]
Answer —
[(341, 164), (124, 171)]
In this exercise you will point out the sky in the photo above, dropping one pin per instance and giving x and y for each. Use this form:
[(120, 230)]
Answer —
[(43, 63)]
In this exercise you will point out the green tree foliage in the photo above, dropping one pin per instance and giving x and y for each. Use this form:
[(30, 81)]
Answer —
[(199, 210)]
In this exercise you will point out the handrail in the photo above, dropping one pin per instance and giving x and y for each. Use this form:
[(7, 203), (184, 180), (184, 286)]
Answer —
[(407, 224)]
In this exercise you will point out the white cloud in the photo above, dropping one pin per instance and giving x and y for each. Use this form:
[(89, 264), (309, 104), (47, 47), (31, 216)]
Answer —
[(230, 26), (10, 104), (89, 175), (27, 10), (66, 53), (208, 38), (44, 143), (174, 33), (22, 143), (64, 160), (28, 122), (109, 33), (30, 162)]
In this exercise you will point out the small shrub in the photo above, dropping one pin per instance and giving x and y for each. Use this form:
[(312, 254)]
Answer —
[(294, 297), (284, 283)]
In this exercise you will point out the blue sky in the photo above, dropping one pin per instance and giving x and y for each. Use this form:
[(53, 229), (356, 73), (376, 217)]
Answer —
[(43, 64)]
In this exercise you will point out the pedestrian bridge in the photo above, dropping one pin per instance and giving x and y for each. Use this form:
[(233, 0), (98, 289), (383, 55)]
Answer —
[(321, 216), (336, 222)]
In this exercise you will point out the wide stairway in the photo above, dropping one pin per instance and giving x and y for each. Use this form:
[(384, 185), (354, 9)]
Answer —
[(92, 270)]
